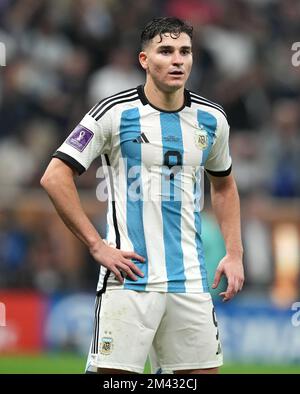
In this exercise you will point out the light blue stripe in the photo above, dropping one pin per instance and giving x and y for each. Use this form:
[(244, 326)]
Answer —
[(171, 202), (198, 240), (207, 122), (130, 129)]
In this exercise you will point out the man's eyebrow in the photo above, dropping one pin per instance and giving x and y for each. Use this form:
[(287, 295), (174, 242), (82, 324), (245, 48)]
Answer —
[(172, 47), (187, 47)]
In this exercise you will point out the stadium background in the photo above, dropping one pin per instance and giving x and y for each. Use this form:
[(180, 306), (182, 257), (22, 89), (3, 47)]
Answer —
[(62, 56)]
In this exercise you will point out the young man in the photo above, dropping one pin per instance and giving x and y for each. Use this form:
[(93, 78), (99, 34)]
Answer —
[(154, 141)]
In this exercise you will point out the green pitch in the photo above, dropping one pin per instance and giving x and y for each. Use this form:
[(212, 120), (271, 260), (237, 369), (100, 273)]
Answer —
[(72, 364)]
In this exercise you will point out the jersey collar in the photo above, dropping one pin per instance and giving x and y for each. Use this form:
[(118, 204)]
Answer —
[(145, 101)]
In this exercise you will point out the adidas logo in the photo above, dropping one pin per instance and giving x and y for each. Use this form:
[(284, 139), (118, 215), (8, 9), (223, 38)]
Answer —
[(142, 139)]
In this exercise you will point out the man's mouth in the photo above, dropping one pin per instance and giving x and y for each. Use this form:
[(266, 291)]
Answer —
[(176, 72)]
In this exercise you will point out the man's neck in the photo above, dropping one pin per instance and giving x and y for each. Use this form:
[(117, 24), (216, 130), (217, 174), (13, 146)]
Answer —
[(167, 101)]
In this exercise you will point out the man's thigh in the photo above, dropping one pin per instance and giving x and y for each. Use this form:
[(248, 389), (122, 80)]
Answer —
[(188, 336), (125, 325)]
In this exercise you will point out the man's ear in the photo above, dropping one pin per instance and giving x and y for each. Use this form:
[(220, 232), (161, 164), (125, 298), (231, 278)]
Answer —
[(143, 60)]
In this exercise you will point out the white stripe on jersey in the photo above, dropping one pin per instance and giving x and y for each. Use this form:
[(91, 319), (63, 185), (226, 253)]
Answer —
[(152, 214), (190, 255), (110, 224), (121, 202)]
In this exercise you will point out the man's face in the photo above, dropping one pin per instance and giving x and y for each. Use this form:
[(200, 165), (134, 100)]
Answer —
[(168, 62)]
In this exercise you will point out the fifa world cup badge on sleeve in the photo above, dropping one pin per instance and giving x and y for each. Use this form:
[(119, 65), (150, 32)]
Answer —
[(80, 137)]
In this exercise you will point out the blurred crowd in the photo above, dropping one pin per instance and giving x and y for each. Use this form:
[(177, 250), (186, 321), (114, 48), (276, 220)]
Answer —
[(62, 56)]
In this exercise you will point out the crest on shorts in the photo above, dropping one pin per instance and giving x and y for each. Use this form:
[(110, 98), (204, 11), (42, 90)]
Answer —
[(201, 138), (106, 345)]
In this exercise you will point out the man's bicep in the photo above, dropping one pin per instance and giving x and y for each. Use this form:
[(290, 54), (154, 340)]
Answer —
[(59, 167), (70, 162)]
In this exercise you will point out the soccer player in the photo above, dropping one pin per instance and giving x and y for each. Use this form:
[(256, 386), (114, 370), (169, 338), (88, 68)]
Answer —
[(155, 141)]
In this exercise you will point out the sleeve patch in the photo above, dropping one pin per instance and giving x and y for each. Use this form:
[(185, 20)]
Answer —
[(80, 138)]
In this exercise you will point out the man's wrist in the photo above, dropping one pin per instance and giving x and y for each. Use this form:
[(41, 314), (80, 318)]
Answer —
[(95, 245), (235, 253)]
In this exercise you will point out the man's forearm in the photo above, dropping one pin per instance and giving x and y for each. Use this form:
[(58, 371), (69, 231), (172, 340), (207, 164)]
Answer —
[(226, 206), (58, 181), (63, 193)]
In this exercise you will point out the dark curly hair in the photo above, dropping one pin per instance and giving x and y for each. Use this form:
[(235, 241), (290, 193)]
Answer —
[(163, 25)]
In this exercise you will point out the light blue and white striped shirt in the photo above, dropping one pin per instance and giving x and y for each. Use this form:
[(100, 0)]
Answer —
[(153, 162)]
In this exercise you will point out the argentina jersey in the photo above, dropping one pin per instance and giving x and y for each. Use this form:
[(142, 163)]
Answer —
[(153, 162)]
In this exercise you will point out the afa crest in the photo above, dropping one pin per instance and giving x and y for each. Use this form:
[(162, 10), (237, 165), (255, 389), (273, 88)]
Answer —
[(106, 345), (201, 138)]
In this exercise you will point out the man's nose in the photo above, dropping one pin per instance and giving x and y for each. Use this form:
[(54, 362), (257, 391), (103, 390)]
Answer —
[(177, 58)]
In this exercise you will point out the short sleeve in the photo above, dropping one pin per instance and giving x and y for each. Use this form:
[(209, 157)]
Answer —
[(88, 140), (219, 160)]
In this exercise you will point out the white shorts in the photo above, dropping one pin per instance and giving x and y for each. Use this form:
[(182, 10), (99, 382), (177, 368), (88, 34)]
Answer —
[(181, 328)]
